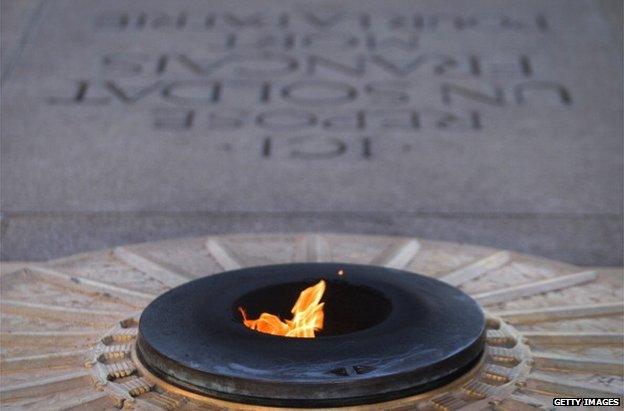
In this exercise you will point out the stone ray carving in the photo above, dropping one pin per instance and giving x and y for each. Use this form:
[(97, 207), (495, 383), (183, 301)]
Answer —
[(79, 315), (47, 360), (564, 338), (38, 338), (561, 385), (46, 386), (150, 267), (397, 255), (474, 270), (563, 362), (312, 247), (224, 256), (82, 283), (561, 313), (537, 287)]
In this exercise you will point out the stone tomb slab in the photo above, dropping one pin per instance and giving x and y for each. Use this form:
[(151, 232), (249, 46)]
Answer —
[(481, 110)]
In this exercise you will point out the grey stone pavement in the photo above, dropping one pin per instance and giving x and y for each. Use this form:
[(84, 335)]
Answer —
[(489, 122)]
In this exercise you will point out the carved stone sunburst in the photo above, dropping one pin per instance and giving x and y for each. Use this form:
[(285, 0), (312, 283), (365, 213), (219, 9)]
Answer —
[(68, 326)]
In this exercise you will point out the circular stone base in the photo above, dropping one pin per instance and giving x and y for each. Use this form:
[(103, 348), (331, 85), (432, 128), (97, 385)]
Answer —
[(69, 326)]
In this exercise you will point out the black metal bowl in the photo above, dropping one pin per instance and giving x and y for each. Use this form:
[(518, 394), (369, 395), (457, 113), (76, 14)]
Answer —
[(387, 334)]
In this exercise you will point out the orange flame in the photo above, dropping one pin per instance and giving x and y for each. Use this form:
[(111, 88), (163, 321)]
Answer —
[(307, 316)]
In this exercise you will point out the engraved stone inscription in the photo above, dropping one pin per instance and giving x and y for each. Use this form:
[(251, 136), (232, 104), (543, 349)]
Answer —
[(470, 110)]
